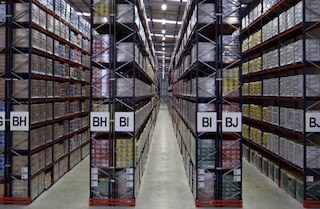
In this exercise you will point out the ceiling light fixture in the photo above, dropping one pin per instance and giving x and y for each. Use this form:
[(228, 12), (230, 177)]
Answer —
[(164, 21), (163, 38), (164, 7), (86, 14), (163, 48), (163, 31), (160, 52), (163, 44), (161, 35)]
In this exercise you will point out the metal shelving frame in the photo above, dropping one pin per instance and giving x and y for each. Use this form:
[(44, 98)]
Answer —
[(309, 105), (124, 169), (209, 175), (31, 182)]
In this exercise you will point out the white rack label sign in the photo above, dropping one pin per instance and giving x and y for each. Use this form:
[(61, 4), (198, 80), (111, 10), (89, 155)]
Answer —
[(231, 122), (237, 178), (129, 184), (2, 121), (94, 177), (312, 122), (310, 179), (94, 183), (124, 121), (99, 121), (201, 185), (19, 121), (207, 121)]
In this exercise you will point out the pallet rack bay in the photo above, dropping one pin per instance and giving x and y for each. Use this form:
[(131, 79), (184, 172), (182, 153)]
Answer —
[(45, 67), (124, 100), (204, 98), (281, 54)]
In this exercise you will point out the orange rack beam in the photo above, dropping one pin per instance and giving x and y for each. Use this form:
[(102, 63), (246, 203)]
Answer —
[(311, 203), (112, 201), (15, 200), (219, 203)]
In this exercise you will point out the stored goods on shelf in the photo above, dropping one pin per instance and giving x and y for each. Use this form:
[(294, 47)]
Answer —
[(206, 52), (126, 86), (101, 11)]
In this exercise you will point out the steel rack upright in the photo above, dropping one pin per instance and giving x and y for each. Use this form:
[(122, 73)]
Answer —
[(205, 101), (3, 96), (281, 93), (124, 100), (47, 96)]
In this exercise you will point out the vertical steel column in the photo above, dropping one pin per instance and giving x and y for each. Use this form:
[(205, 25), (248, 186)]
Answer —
[(219, 67), (8, 92), (112, 145), (29, 93), (305, 163), (9, 54), (197, 81)]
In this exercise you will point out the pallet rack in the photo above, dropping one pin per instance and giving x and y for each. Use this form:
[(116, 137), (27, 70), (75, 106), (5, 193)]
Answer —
[(281, 93), (205, 101), (46, 96), (124, 100), (3, 42)]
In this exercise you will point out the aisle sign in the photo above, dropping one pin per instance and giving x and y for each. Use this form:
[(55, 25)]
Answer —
[(231, 122), (2, 121), (99, 121), (124, 121), (207, 121), (19, 121), (312, 121)]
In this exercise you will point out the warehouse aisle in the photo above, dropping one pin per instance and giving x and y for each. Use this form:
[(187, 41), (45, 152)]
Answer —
[(164, 185)]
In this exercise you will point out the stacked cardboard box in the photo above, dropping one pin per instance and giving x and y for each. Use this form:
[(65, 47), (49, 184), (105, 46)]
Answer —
[(293, 86), (205, 184), (256, 135), (206, 52), (231, 154), (142, 114), (206, 87), (245, 89), (255, 112), (255, 88), (231, 188), (206, 12), (230, 47), (245, 131), (311, 11), (124, 87), (267, 4), (231, 82), (312, 50), (273, 145), (230, 13), (271, 87), (271, 170), (206, 153), (283, 22)]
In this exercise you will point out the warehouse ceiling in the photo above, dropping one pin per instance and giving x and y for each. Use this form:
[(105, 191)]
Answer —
[(164, 23)]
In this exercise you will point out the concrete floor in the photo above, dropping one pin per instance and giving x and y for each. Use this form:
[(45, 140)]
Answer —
[(164, 185)]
